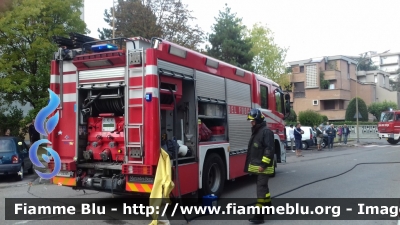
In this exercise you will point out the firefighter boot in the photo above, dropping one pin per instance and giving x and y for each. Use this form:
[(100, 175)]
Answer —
[(259, 217)]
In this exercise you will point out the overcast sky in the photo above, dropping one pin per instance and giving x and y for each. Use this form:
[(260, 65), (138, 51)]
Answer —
[(309, 28)]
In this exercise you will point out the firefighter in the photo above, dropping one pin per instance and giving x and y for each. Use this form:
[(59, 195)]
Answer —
[(260, 159)]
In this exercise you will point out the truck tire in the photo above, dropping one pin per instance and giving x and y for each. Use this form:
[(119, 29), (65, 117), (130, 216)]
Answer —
[(392, 141), (214, 175)]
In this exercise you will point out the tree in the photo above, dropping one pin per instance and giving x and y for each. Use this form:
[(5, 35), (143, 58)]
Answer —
[(26, 46), (351, 110), (310, 118), (364, 63), (167, 19), (324, 118), (269, 58), (376, 108), (229, 42), (395, 82), (292, 118), (132, 18), (284, 81), (11, 117)]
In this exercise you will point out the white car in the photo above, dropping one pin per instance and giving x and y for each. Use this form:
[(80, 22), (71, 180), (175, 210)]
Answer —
[(307, 138)]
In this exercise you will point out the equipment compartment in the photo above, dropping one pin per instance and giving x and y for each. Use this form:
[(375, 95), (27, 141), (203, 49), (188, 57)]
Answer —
[(212, 121)]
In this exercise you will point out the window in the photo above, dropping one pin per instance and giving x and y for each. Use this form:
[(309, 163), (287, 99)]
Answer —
[(279, 102), (264, 97), (6, 145), (311, 76), (348, 70), (301, 69)]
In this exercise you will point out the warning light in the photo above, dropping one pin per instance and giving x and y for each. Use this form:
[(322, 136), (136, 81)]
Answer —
[(104, 47), (148, 97), (119, 151)]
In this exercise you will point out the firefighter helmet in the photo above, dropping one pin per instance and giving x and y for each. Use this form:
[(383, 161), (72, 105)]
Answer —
[(256, 115)]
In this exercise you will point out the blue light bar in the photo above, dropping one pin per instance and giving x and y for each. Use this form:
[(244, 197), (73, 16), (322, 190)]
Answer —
[(104, 48)]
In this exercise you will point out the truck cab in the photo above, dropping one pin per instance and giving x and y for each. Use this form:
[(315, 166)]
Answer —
[(389, 126)]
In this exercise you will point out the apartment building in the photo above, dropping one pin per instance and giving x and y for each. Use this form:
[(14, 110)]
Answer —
[(308, 90), (383, 91), (390, 63), (327, 84)]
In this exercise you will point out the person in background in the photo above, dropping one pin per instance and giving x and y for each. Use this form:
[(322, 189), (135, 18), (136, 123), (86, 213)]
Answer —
[(297, 137), (8, 132), (327, 126), (291, 136), (314, 129), (339, 133), (345, 133), (33, 134), (331, 136), (320, 137)]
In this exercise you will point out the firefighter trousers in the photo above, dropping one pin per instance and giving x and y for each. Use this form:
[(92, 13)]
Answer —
[(263, 194)]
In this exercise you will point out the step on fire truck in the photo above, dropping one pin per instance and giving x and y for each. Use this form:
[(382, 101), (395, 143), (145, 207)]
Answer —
[(389, 126), (122, 100)]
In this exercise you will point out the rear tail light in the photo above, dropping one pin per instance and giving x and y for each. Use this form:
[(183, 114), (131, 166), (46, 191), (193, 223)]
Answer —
[(311, 135), (14, 159)]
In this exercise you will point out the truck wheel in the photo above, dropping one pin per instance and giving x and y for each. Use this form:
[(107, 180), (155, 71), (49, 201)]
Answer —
[(392, 141), (214, 175)]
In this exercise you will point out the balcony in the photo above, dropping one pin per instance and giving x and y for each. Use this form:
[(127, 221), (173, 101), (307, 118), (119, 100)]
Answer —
[(298, 77), (332, 75), (333, 94), (334, 114)]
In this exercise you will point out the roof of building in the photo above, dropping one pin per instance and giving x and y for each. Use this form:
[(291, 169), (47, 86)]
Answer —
[(319, 59), (374, 72)]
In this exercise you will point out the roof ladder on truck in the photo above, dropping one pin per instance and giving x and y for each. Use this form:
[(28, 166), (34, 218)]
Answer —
[(135, 93)]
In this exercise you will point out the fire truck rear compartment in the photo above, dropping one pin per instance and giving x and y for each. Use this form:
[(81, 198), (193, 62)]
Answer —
[(100, 138)]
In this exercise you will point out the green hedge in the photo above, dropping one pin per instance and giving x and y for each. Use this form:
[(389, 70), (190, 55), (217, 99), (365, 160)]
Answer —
[(362, 109), (354, 123), (310, 118)]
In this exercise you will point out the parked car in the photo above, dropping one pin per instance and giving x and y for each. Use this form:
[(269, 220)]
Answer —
[(307, 137), (14, 157)]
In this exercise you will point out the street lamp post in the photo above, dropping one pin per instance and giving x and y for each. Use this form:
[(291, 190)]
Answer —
[(357, 113)]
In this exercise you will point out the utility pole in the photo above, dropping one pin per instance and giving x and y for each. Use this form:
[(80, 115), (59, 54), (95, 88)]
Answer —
[(113, 23)]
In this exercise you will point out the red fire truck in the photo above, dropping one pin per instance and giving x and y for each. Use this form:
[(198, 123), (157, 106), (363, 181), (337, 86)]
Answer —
[(389, 126), (121, 103)]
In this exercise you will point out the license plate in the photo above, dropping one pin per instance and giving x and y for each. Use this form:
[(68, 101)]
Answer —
[(146, 180), (65, 174)]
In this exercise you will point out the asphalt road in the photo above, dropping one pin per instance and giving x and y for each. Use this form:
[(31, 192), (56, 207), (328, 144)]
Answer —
[(363, 181)]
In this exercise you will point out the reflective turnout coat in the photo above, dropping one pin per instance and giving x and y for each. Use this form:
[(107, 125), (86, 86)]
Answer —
[(261, 150)]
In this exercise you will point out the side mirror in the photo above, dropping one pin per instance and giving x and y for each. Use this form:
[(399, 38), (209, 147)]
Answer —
[(287, 105)]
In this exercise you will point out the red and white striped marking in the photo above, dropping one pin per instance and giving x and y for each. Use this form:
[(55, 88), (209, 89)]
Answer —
[(69, 81)]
